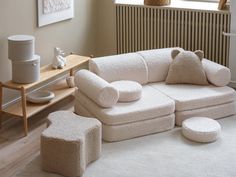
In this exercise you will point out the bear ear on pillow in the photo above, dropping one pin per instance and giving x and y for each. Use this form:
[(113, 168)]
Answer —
[(200, 54), (174, 53), (186, 68)]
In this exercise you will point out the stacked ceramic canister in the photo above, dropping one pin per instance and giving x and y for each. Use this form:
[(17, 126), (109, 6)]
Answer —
[(25, 64)]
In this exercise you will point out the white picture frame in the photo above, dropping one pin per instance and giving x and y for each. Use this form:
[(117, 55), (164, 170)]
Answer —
[(54, 16)]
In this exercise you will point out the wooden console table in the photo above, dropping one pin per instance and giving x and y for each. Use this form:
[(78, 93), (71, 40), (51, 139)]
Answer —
[(23, 109)]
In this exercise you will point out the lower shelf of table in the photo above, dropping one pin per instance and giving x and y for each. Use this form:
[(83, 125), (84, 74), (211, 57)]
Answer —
[(60, 90)]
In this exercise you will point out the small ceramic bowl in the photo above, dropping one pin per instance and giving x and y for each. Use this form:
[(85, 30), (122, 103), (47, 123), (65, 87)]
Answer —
[(40, 97)]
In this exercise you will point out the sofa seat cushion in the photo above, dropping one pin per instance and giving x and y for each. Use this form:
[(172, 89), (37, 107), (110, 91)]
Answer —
[(189, 97), (152, 104), (128, 90), (214, 112)]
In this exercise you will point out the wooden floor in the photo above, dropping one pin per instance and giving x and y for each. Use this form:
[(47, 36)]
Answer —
[(16, 151)]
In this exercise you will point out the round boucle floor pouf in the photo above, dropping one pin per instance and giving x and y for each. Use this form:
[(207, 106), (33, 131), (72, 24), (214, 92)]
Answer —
[(201, 129)]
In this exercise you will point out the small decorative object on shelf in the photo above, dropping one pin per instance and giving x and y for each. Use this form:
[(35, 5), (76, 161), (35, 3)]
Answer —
[(70, 81), (21, 47), (157, 2), (59, 60), (40, 97), (25, 72), (25, 64)]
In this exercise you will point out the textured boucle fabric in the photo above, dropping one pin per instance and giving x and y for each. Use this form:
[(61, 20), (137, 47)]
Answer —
[(158, 62), (158, 99), (128, 90), (129, 66), (186, 68), (188, 97), (96, 88), (137, 129), (201, 129), (152, 104), (166, 154), (133, 129), (216, 74), (214, 112), (70, 143)]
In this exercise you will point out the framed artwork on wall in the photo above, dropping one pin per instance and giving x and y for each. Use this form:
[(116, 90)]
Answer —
[(52, 11)]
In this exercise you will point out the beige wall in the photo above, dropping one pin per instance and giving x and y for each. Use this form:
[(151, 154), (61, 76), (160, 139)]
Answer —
[(106, 36), (78, 35)]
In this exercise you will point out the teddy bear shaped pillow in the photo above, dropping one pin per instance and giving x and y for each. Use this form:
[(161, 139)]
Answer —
[(186, 68)]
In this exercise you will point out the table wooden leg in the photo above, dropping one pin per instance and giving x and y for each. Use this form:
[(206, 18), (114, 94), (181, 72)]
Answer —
[(23, 102), (1, 102), (71, 72)]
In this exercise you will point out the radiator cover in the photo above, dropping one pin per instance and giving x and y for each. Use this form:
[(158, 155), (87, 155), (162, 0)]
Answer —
[(144, 27)]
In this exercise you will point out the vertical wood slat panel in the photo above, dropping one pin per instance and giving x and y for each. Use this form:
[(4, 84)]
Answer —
[(143, 28), (158, 28), (123, 30), (117, 30), (155, 29), (203, 31), (224, 38), (228, 40), (130, 29)]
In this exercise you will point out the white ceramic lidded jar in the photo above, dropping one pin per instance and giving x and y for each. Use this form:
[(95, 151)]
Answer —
[(21, 47), (27, 71)]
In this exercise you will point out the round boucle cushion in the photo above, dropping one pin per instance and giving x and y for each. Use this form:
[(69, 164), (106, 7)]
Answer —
[(201, 129), (128, 90)]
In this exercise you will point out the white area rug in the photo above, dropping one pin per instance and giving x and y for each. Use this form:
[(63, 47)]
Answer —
[(161, 155)]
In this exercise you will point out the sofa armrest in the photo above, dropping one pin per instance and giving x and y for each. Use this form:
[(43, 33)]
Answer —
[(96, 88), (217, 74)]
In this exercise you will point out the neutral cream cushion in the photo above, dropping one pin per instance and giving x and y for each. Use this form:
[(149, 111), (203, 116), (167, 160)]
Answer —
[(188, 97), (201, 129), (186, 68), (216, 74), (214, 112), (152, 104), (129, 66), (128, 90), (133, 129), (136, 129), (158, 62), (96, 88)]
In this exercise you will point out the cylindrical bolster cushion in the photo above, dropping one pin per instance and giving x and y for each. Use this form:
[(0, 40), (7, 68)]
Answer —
[(97, 89), (216, 74)]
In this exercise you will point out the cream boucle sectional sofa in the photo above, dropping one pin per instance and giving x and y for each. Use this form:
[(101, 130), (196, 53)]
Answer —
[(161, 106)]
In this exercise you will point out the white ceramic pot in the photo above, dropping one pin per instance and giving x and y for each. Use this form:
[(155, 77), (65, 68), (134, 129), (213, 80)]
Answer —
[(26, 72), (21, 47)]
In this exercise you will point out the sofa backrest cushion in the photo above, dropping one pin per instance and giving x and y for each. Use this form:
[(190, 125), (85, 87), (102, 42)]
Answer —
[(158, 62), (129, 66)]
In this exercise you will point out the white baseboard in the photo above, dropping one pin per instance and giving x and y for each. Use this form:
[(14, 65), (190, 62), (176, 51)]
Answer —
[(232, 84)]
